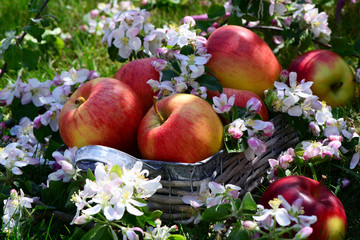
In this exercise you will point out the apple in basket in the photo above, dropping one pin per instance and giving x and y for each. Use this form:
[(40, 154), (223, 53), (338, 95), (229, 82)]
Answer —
[(180, 128), (103, 111), (333, 79), (136, 73), (241, 98), (316, 200), (240, 59)]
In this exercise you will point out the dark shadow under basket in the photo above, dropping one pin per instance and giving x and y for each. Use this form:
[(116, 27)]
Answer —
[(180, 179)]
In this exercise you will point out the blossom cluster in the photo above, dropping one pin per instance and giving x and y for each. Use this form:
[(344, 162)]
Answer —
[(25, 148), (247, 123), (14, 208), (210, 194), (275, 219), (113, 191), (263, 223), (297, 100)]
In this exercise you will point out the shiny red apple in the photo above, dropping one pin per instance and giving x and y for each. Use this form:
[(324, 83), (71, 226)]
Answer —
[(317, 200), (240, 59), (103, 111), (136, 73), (180, 128), (333, 79), (241, 98)]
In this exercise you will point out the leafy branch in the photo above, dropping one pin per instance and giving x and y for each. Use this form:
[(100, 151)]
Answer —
[(12, 50)]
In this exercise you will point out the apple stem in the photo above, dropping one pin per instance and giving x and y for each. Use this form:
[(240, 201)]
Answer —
[(323, 178), (157, 110), (79, 101)]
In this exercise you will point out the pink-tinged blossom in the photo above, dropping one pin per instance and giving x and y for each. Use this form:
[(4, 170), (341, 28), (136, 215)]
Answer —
[(256, 145), (249, 225), (314, 129), (268, 129), (189, 21), (237, 128), (51, 117), (304, 233), (222, 104), (68, 168), (94, 13), (8, 93), (253, 105), (285, 161), (159, 64)]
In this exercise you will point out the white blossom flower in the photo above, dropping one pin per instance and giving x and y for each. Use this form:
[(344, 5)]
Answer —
[(24, 131), (278, 6), (280, 214), (355, 158), (36, 91), (126, 41), (73, 76)]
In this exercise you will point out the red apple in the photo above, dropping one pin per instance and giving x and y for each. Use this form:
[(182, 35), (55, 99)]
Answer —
[(240, 59), (241, 98), (333, 79), (317, 200), (189, 132), (103, 111), (136, 73)]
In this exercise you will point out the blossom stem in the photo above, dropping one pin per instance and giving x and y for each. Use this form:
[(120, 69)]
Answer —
[(157, 110), (316, 194)]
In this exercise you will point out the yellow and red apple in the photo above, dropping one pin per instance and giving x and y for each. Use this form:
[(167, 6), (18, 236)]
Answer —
[(333, 80), (240, 59), (103, 111), (316, 200), (135, 74), (180, 128)]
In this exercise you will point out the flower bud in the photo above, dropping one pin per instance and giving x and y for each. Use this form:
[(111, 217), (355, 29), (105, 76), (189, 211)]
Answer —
[(94, 13), (249, 225), (253, 105)]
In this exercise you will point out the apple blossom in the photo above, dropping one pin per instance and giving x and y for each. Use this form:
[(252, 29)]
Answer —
[(278, 6), (159, 232), (13, 209), (24, 131), (253, 105), (68, 168), (8, 93), (355, 158), (200, 91), (280, 214), (34, 91), (304, 233), (222, 104), (237, 128)]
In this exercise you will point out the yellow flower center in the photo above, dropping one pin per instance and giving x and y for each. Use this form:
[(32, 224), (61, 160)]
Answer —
[(275, 203)]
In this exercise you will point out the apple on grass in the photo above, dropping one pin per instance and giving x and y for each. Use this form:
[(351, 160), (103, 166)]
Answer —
[(180, 128), (317, 200), (241, 98), (240, 59), (103, 111), (333, 80), (135, 74)]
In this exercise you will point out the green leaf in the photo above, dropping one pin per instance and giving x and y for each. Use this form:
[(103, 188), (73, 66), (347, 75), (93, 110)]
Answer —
[(52, 147), (19, 111), (270, 97), (234, 19), (99, 232), (30, 58), (35, 31), (90, 175), (248, 203), (237, 233), (176, 237), (42, 133), (5, 44), (187, 50), (168, 75), (210, 82), (117, 170), (12, 56), (216, 11), (216, 213)]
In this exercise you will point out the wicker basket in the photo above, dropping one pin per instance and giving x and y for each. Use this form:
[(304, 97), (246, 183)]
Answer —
[(180, 179)]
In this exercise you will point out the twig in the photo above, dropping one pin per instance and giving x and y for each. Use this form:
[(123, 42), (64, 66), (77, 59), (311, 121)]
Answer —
[(3, 69)]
